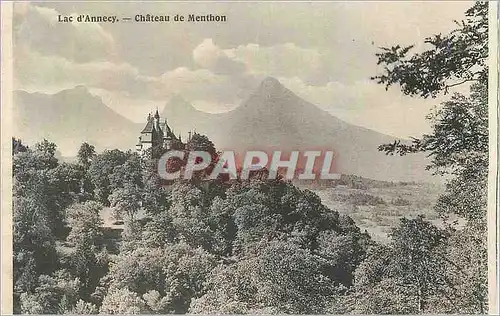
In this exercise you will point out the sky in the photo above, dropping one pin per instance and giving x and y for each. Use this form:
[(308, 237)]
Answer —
[(324, 52)]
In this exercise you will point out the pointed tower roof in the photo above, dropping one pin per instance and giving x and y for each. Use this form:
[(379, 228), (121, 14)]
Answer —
[(149, 126), (167, 131), (157, 115)]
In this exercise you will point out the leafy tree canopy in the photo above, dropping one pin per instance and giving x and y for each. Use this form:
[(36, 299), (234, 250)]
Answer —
[(85, 154), (452, 59)]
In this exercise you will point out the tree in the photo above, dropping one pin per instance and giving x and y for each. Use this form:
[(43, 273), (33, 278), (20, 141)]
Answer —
[(199, 142), (190, 213), (56, 294), (100, 171), (126, 201), (263, 209), (456, 58), (458, 144), (159, 231), (460, 126), (88, 259), (263, 226), (17, 146), (85, 155), (123, 301), (156, 197), (127, 188), (460, 134), (279, 277), (46, 147), (453, 59), (166, 278), (26, 163), (127, 174), (229, 290), (406, 275), (68, 181), (292, 279), (465, 270), (41, 191), (84, 308), (418, 250), (34, 250)]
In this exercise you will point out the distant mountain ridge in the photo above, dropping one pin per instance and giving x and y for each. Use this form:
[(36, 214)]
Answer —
[(272, 118), (69, 118)]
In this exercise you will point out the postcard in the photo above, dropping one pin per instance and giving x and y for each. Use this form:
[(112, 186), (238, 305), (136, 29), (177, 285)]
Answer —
[(248, 157)]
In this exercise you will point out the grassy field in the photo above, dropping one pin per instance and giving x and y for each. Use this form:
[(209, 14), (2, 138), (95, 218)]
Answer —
[(379, 208)]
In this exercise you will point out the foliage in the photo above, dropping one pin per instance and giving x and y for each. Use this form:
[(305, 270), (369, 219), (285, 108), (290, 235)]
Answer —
[(128, 173), (165, 264), (55, 294), (406, 275), (89, 259), (18, 146), (156, 197), (100, 171), (42, 189), (84, 308), (460, 134), (175, 273), (466, 196), (33, 243), (458, 145), (85, 155), (277, 277), (452, 59), (199, 142), (123, 301), (46, 147), (467, 259), (85, 222), (126, 201)]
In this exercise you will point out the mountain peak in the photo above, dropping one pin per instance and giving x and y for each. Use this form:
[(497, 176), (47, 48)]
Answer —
[(177, 99), (177, 106), (271, 81), (80, 87), (271, 84), (178, 103), (79, 90)]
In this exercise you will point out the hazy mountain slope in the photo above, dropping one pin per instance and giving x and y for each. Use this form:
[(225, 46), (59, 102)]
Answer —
[(274, 118), (69, 118), (183, 118)]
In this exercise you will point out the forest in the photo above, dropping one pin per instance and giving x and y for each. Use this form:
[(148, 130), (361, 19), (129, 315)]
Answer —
[(258, 245)]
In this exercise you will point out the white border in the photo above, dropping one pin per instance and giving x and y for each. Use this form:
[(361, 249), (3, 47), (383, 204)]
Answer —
[(6, 158), (492, 216)]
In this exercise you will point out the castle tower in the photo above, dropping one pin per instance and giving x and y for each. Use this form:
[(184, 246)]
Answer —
[(157, 121), (157, 134), (146, 137)]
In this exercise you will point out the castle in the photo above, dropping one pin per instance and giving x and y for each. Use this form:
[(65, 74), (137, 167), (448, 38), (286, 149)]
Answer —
[(158, 134)]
